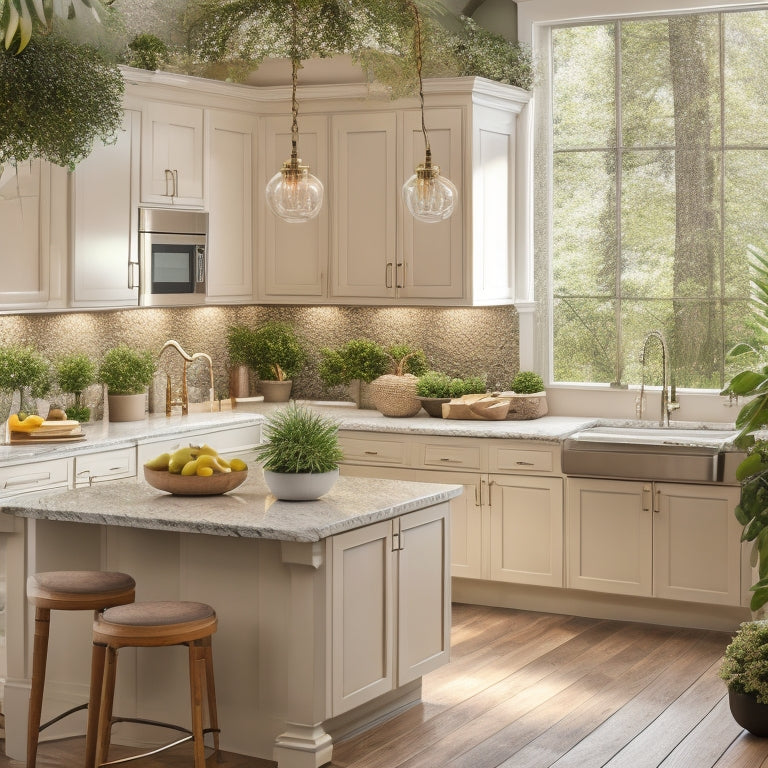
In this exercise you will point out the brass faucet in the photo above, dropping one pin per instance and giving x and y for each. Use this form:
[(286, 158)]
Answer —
[(669, 401), (183, 401)]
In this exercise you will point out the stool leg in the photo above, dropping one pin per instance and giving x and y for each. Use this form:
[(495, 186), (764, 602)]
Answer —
[(196, 674), (39, 660), (213, 717), (105, 710), (94, 703)]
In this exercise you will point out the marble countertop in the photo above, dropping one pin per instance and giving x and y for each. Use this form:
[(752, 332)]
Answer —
[(249, 511)]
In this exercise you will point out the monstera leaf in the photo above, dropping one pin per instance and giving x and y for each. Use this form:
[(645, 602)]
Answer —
[(18, 17)]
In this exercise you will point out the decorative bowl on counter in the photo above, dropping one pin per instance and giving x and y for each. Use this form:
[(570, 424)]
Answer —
[(193, 485)]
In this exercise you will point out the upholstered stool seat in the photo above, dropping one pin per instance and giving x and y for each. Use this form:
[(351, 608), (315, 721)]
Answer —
[(65, 591), (152, 624)]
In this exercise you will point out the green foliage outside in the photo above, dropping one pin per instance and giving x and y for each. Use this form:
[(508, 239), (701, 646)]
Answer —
[(745, 666), (299, 440), (627, 256), (24, 370), (126, 371)]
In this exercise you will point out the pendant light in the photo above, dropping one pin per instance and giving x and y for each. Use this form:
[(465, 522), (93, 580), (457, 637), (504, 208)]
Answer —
[(293, 193), (429, 196)]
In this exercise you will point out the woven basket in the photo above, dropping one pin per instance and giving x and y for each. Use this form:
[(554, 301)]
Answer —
[(395, 395), (532, 406)]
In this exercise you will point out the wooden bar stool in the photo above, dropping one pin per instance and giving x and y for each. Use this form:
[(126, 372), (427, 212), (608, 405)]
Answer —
[(65, 591), (152, 624)]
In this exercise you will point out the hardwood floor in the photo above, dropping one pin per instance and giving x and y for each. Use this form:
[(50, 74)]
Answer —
[(533, 690)]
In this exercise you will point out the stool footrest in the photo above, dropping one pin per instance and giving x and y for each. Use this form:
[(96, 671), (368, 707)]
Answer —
[(63, 715), (158, 750)]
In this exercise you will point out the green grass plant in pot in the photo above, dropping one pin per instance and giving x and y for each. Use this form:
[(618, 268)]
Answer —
[(278, 355), (745, 671), (127, 373), (24, 373), (74, 374), (528, 399), (394, 394), (302, 454), (357, 362)]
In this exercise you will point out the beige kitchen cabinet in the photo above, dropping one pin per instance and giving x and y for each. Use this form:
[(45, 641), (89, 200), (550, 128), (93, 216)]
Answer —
[(294, 260), (230, 177), (390, 605), (670, 540), (34, 477), (104, 190), (33, 247), (172, 146), (106, 465), (224, 440)]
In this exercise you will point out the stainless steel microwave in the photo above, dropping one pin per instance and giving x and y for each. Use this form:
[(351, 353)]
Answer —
[(173, 267)]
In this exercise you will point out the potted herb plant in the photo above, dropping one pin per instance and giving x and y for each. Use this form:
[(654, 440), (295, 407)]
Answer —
[(277, 356), (435, 388), (394, 394), (528, 400), (74, 373), (357, 362), (239, 343), (127, 373), (745, 671), (25, 372), (302, 454)]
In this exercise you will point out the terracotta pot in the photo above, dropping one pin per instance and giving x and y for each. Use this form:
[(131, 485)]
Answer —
[(127, 407), (300, 486), (748, 713), (276, 391)]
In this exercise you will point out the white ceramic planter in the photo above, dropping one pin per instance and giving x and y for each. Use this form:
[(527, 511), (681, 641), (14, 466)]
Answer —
[(300, 486)]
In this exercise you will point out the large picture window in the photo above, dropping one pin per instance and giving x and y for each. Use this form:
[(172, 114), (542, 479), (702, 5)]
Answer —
[(658, 178)]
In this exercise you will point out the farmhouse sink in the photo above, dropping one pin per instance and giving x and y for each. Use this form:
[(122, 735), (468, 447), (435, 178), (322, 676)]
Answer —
[(692, 454)]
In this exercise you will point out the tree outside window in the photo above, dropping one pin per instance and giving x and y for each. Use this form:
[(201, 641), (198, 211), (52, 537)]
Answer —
[(659, 172)]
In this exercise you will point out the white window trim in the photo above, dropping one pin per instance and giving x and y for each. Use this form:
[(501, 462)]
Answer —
[(582, 399)]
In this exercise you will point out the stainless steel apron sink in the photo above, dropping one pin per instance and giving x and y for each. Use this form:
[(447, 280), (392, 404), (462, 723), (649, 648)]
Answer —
[(646, 453)]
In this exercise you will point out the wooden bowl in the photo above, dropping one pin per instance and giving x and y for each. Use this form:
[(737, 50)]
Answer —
[(194, 485)]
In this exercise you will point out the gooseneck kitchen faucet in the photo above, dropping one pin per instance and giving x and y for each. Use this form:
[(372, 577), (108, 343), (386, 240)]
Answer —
[(669, 401)]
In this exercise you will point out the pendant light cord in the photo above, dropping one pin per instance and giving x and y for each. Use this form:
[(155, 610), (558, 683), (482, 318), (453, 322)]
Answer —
[(294, 78), (419, 61)]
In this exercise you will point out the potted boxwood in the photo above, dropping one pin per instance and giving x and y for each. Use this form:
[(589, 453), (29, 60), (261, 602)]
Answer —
[(126, 373), (302, 454), (26, 372), (278, 355), (357, 362), (528, 400), (435, 388), (745, 671), (394, 394), (75, 373)]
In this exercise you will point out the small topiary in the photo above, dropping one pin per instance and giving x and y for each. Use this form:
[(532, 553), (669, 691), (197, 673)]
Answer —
[(361, 359), (745, 666), (527, 383), (433, 384), (73, 374), (126, 371)]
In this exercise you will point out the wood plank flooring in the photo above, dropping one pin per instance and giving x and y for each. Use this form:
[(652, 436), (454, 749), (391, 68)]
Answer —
[(535, 690)]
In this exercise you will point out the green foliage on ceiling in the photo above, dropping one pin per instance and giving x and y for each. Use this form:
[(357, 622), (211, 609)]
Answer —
[(58, 98)]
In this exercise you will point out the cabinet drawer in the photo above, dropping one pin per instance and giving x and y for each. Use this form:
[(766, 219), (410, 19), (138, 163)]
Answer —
[(226, 440), (111, 465), (39, 476), (373, 450), (453, 456), (521, 460)]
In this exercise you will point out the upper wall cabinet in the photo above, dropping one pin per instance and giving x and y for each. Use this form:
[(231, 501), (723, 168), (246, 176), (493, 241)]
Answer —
[(32, 250), (105, 193), (172, 155)]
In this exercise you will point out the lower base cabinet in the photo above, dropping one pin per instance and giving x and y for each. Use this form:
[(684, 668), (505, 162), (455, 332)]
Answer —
[(669, 540), (390, 605)]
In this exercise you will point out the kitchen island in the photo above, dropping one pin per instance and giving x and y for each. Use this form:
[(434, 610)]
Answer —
[(329, 611)]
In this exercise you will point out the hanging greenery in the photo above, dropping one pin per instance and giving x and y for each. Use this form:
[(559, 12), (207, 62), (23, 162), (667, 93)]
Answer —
[(58, 97)]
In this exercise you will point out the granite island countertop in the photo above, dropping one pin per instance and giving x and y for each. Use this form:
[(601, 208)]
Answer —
[(249, 511)]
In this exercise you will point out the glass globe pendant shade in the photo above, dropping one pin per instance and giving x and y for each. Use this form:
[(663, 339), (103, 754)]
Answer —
[(429, 196), (294, 194)]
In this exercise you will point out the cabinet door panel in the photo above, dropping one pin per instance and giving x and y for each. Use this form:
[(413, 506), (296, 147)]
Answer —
[(610, 536), (364, 204), (433, 253), (105, 194), (424, 593), (527, 530), (697, 549), (362, 615), (295, 257), (230, 195)]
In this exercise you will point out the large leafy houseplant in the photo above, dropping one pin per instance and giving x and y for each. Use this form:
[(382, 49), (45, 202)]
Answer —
[(752, 472)]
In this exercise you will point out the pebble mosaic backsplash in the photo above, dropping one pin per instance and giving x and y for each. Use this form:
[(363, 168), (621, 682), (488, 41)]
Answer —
[(458, 341)]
